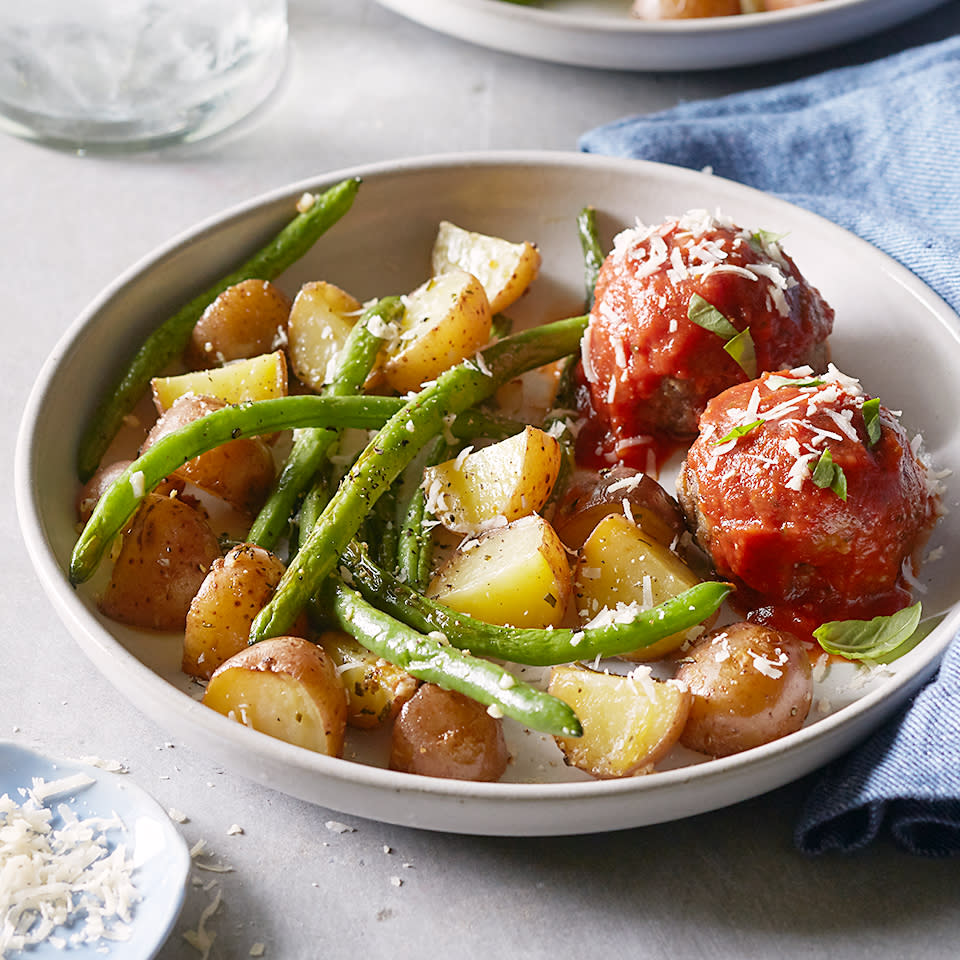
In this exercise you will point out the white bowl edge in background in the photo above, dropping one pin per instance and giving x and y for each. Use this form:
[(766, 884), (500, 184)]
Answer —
[(584, 33)]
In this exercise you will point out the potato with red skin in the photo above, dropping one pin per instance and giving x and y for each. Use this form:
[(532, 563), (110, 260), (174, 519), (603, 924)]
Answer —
[(240, 472), (245, 320), (591, 495), (233, 592), (376, 689), (751, 685), (166, 553), (91, 492), (287, 688), (442, 733)]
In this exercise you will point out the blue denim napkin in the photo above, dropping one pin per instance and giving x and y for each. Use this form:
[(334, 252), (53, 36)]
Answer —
[(876, 149)]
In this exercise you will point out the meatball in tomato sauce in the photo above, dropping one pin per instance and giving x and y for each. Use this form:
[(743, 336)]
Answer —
[(809, 496), (669, 300)]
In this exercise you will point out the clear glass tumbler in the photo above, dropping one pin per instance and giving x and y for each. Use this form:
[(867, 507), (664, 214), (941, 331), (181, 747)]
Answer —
[(131, 74)]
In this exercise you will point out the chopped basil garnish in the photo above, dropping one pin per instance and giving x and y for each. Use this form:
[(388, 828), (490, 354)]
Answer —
[(826, 473), (738, 432), (742, 350), (760, 239), (705, 314), (880, 640), (871, 419), (738, 343), (806, 383)]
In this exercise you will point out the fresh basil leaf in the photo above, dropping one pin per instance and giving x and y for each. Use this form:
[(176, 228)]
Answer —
[(705, 314), (761, 239), (871, 419), (880, 640), (738, 343), (826, 473), (741, 348), (806, 383), (738, 432)]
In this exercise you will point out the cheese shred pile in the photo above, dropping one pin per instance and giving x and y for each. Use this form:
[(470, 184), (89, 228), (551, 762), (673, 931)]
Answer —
[(60, 884)]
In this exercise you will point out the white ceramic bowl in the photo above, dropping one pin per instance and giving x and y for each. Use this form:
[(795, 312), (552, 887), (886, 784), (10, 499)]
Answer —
[(382, 246), (601, 33)]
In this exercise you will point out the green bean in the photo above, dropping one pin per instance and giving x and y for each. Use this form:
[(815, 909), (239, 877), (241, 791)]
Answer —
[(531, 646), (310, 446), (414, 553), (171, 337), (592, 251), (396, 444), (502, 326), (431, 659), (122, 498)]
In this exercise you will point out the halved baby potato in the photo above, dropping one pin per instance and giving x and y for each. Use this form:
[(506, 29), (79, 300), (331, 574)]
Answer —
[(517, 575), (590, 496), (446, 320), (619, 563), (509, 479), (245, 320), (321, 319), (629, 722), (376, 689), (239, 472), (750, 685), (165, 555), (442, 733), (287, 688), (233, 592), (258, 378), (505, 269)]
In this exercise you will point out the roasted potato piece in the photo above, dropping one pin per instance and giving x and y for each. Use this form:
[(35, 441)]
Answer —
[(684, 9), (258, 378), (246, 320), (240, 472), (505, 269), (165, 555), (517, 575), (376, 689), (446, 319), (750, 685), (97, 485), (320, 322), (233, 592), (629, 722), (509, 479), (590, 496), (441, 733), (620, 564), (286, 687)]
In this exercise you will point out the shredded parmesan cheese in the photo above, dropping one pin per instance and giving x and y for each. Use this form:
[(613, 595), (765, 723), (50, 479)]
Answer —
[(61, 876)]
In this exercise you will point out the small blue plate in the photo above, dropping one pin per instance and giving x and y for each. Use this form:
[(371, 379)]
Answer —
[(159, 854)]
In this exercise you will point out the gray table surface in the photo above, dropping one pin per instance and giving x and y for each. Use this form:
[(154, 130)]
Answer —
[(365, 85)]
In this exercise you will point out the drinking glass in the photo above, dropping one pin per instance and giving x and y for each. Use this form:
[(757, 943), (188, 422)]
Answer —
[(129, 74)]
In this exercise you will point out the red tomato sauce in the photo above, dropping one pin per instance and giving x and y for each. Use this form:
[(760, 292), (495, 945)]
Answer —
[(799, 553), (648, 369)]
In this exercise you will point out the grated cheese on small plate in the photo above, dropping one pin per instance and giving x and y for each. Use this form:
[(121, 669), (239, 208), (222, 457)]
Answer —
[(89, 863)]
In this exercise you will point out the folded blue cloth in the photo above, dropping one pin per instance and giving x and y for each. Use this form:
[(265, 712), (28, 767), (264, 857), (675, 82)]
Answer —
[(876, 149)]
